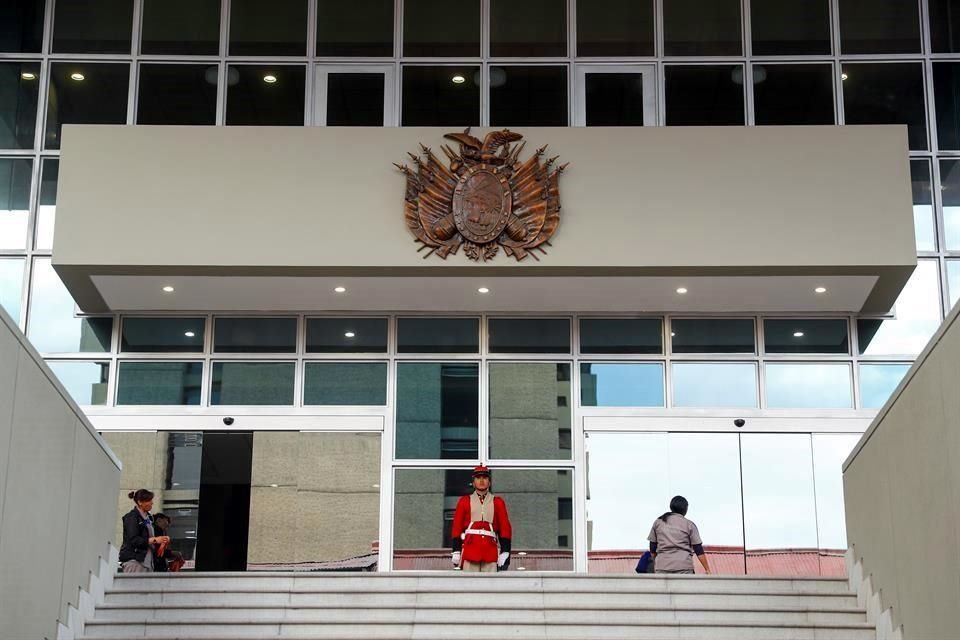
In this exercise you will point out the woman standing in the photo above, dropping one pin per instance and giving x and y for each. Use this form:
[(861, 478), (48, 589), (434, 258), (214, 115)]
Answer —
[(136, 552), (674, 540)]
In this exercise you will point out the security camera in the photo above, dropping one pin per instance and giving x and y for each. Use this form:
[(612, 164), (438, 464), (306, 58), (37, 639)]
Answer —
[(739, 422), (229, 421)]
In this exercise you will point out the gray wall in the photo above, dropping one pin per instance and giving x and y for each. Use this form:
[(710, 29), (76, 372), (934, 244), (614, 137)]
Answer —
[(58, 488), (902, 494)]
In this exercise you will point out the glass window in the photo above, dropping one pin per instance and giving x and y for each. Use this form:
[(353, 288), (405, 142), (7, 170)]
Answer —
[(437, 410), (805, 335), (438, 335), (922, 205), (353, 383), (615, 28), (529, 335), (15, 175), (878, 381), (255, 335), (162, 335), (621, 384), (86, 382), (916, 317), (946, 87), (265, 95), (159, 383), (614, 99), (701, 95), (787, 94), (886, 94), (808, 386), (346, 335), (621, 335), (11, 286), (944, 26), (714, 384), (181, 27), (953, 281), (712, 335), (447, 96), (21, 26), (950, 195), (85, 93), (439, 28), (535, 28), (47, 208), (355, 99), (53, 327), (790, 27), (92, 26), (252, 383), (829, 453), (879, 26), (701, 28), (528, 96), (530, 410), (275, 28), (19, 88), (355, 27), (177, 94)]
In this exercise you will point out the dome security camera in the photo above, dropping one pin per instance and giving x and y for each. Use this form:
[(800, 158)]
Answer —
[(739, 422), (228, 421)]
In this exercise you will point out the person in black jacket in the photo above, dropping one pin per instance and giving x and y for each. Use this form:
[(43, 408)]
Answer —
[(137, 550)]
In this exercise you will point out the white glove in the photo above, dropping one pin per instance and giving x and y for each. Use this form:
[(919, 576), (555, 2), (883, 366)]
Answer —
[(502, 559), (455, 557)]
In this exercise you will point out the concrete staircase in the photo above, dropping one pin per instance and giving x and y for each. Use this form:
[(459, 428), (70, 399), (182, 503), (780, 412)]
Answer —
[(450, 606)]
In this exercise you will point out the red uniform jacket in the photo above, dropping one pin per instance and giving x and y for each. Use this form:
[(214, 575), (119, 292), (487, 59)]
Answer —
[(481, 548)]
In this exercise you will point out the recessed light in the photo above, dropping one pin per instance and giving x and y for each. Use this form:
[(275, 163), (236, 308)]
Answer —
[(77, 76), (681, 290), (820, 290), (26, 75), (189, 334), (483, 290), (458, 79), (349, 334), (672, 334), (269, 79), (798, 334), (340, 289), (844, 76), (274, 485), (168, 289)]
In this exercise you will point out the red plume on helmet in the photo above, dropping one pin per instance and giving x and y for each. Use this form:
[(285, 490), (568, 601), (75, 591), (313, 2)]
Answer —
[(481, 470)]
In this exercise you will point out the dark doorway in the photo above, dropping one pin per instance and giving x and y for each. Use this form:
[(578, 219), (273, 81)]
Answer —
[(224, 519)]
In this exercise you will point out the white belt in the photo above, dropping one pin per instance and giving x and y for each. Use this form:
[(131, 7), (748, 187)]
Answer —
[(481, 532)]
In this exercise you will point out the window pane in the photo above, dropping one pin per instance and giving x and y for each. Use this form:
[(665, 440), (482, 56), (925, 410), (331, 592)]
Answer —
[(701, 28), (438, 335), (878, 381), (181, 27), (815, 336), (441, 96), (355, 28), (953, 281), (697, 384), (950, 195), (697, 95), (627, 384), (86, 382), (162, 335), (808, 386), (355, 99), (712, 335), (788, 94), (353, 383), (275, 28), (437, 410), (47, 208), (159, 383), (944, 26), (922, 205), (85, 93), (946, 86), (879, 26), (535, 28), (265, 95), (621, 335), (614, 99), (177, 94), (829, 453), (15, 178), (533, 335), (11, 286), (255, 335), (53, 328), (439, 28), (92, 26), (790, 27), (615, 28), (19, 88), (886, 94), (530, 410), (916, 317), (528, 96), (346, 335), (21, 26), (267, 383)]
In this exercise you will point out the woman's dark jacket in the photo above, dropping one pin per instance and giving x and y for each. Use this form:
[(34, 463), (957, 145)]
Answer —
[(135, 536)]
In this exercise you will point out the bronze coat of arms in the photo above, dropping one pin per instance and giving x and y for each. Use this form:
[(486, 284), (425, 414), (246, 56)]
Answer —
[(486, 198)]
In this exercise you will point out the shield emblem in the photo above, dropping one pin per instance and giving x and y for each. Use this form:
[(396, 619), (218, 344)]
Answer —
[(482, 202)]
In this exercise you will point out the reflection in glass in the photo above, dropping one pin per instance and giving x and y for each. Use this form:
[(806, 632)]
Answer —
[(709, 384), (15, 178), (47, 208), (614, 99), (704, 95), (808, 386), (537, 501), (923, 225), (252, 383), (944, 21), (621, 335), (868, 26), (22, 22), (162, 335), (345, 383), (177, 94), (92, 26), (438, 335), (431, 97), (916, 317), (886, 94), (530, 410), (19, 88), (439, 28), (946, 87), (346, 335), (255, 335), (701, 28), (86, 382), (355, 99), (85, 93), (829, 453), (788, 94), (528, 96), (950, 195), (790, 27), (181, 27), (529, 335), (11, 286), (712, 335), (355, 27), (953, 281), (535, 28), (159, 383), (275, 28), (627, 384), (878, 381), (52, 327), (805, 335), (270, 95), (437, 410), (615, 28)]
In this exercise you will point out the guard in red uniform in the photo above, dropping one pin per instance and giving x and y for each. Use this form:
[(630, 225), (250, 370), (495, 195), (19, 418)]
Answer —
[(481, 528)]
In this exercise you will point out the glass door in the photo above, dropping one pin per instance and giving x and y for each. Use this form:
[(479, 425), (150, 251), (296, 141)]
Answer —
[(354, 96), (615, 96)]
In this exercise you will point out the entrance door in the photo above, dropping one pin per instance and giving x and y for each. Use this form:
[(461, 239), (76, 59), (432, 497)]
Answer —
[(615, 96), (224, 515), (354, 96)]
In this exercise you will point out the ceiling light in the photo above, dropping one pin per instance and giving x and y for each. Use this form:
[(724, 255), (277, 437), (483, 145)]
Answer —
[(270, 79), (844, 76), (77, 76), (168, 289), (340, 289), (274, 485), (349, 334), (672, 334), (820, 290), (483, 290), (798, 334), (458, 79), (681, 290), (26, 75), (189, 334)]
